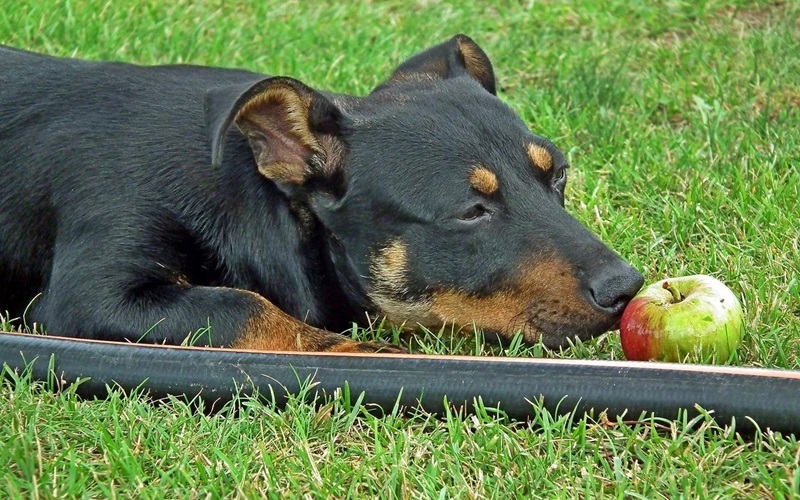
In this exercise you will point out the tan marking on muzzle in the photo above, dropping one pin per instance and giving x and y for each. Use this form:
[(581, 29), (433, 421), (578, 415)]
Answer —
[(545, 300), (540, 157), (546, 289), (483, 180)]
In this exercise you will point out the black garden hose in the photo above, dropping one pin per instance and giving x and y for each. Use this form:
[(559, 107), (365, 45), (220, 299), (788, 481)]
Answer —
[(771, 398)]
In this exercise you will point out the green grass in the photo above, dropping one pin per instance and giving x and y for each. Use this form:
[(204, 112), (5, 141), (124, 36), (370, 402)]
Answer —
[(682, 122)]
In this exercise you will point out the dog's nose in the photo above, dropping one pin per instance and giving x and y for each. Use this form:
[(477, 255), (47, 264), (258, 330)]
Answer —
[(614, 286)]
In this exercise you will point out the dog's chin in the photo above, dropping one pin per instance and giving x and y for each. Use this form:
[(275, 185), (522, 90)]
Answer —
[(563, 339), (560, 336), (552, 334)]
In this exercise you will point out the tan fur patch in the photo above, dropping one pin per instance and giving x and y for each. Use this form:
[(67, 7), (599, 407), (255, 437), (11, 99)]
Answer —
[(547, 291), (473, 60), (540, 157), (546, 294), (407, 314), (484, 180), (333, 156), (271, 330), (390, 265), (389, 270), (285, 172), (274, 330)]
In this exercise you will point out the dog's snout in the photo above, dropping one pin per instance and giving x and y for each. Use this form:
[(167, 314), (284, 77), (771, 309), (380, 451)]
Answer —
[(613, 287)]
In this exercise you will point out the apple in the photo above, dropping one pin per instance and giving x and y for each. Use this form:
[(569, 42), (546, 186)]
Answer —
[(671, 318)]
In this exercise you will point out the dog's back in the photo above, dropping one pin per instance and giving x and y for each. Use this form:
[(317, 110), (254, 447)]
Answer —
[(63, 122)]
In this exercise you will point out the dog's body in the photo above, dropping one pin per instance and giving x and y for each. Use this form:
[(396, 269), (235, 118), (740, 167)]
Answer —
[(146, 203)]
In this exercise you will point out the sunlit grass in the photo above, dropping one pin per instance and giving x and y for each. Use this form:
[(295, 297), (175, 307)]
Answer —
[(680, 120)]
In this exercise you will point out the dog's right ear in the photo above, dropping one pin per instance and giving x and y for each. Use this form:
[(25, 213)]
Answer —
[(293, 130), (459, 56)]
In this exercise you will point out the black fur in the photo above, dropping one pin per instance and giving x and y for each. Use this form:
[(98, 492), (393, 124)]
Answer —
[(131, 206)]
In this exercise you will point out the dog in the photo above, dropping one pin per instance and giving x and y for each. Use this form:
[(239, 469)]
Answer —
[(165, 203)]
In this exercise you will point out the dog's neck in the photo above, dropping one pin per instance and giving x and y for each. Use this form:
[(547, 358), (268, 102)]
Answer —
[(265, 243)]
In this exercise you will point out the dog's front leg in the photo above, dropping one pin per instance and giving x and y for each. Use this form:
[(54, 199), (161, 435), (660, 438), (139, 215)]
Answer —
[(174, 313), (273, 330)]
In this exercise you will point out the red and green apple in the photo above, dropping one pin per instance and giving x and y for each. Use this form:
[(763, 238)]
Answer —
[(674, 317)]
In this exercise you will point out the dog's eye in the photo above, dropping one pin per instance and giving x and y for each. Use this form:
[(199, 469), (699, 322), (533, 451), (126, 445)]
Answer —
[(559, 178), (474, 213)]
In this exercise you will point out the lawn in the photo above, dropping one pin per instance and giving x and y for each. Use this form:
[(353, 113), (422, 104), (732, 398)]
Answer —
[(682, 123)]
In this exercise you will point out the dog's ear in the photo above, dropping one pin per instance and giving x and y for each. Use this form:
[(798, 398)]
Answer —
[(293, 131), (458, 56)]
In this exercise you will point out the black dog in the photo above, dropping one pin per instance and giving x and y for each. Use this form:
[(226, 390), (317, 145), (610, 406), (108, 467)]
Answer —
[(147, 203)]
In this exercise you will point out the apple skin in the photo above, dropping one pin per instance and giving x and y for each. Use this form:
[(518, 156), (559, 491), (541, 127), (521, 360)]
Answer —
[(671, 318)]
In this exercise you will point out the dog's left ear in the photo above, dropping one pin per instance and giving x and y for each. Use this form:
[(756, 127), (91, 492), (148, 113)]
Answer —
[(458, 56), (293, 131)]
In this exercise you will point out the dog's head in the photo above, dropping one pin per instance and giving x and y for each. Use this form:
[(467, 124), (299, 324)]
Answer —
[(439, 204)]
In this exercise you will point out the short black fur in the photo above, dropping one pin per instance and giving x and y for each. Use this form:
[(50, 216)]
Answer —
[(132, 207)]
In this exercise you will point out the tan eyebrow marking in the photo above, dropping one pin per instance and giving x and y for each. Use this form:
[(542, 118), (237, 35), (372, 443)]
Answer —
[(540, 157), (483, 180)]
